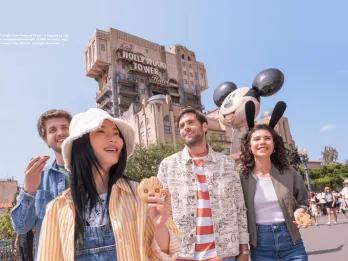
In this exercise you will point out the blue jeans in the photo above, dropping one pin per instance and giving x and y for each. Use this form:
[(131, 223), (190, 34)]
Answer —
[(275, 244), (98, 244)]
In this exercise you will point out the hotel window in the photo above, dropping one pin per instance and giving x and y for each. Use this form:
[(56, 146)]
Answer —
[(102, 47), (189, 58), (184, 72), (183, 56)]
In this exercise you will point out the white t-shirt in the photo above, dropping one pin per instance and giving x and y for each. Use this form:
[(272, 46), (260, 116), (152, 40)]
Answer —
[(344, 193), (98, 216), (267, 207)]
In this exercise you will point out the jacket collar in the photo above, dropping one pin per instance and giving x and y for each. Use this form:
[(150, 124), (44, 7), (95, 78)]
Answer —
[(186, 158)]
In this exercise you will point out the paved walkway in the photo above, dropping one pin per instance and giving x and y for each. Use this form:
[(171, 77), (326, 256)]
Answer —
[(327, 243)]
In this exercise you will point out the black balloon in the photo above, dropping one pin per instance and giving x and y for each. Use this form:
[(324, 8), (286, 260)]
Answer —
[(268, 81), (221, 92)]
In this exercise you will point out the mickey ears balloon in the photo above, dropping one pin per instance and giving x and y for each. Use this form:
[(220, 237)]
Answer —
[(277, 113), (268, 82), (221, 92)]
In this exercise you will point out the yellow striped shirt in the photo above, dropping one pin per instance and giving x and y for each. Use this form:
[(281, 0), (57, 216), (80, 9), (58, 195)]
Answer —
[(133, 229)]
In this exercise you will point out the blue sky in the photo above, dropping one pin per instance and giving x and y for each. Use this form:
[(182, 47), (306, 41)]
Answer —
[(235, 40)]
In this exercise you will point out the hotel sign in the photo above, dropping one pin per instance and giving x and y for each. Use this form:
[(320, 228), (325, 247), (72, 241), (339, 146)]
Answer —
[(145, 65)]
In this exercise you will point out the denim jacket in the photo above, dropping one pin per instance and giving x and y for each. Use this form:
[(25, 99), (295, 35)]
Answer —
[(30, 208)]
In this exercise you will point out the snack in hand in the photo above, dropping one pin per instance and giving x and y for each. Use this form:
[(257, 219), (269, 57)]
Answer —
[(303, 219), (149, 187)]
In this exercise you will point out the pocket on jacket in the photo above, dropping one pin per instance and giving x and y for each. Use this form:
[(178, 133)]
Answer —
[(41, 200)]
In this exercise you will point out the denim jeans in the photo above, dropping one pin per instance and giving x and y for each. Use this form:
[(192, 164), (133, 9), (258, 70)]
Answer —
[(98, 244), (275, 244)]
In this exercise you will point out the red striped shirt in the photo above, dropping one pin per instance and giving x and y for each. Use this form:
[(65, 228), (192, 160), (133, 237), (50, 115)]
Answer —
[(205, 242)]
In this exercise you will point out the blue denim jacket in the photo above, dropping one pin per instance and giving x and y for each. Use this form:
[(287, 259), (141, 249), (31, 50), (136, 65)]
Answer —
[(30, 208)]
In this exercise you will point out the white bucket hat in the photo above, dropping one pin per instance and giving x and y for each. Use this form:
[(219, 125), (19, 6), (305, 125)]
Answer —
[(89, 121)]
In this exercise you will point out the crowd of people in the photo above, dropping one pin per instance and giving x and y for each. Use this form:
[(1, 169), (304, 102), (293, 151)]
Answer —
[(330, 203), (82, 206)]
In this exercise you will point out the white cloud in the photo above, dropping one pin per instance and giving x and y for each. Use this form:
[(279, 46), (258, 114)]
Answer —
[(327, 127)]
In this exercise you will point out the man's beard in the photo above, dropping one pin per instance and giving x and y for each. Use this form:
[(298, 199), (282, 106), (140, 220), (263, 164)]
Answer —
[(56, 149), (196, 139)]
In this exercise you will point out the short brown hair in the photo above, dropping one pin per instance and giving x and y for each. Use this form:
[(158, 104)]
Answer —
[(199, 115), (50, 114)]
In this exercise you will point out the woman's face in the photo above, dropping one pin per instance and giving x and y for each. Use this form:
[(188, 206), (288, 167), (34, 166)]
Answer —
[(107, 144), (261, 144)]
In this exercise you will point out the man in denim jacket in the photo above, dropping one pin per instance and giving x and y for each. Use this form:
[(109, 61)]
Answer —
[(42, 181)]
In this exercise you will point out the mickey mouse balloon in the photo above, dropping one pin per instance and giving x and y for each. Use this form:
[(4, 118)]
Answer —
[(232, 100)]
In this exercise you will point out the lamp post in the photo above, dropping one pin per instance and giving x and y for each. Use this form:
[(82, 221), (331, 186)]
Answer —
[(304, 159)]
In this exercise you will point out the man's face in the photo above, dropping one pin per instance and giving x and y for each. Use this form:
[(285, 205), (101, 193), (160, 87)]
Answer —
[(57, 129), (191, 130)]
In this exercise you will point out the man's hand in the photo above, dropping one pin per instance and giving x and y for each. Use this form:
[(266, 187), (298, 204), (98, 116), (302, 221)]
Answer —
[(32, 174)]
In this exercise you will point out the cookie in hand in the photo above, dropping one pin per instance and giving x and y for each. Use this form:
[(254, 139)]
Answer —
[(149, 187), (303, 219)]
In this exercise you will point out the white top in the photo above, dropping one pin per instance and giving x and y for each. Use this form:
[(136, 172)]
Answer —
[(267, 207), (344, 193), (98, 216)]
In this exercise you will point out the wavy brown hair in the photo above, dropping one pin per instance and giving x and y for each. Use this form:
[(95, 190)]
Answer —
[(278, 157)]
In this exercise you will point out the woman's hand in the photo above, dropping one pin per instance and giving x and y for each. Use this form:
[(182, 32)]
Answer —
[(303, 222), (160, 208)]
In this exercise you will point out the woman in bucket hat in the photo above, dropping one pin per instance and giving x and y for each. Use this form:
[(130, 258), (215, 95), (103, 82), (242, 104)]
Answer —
[(101, 216)]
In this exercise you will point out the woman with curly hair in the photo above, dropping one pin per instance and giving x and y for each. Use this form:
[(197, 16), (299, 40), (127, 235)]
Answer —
[(275, 195)]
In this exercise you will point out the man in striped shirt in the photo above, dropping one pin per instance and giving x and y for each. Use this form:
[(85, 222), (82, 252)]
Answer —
[(207, 199)]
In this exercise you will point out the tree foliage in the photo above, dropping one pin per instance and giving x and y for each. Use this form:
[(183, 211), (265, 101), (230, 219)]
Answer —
[(6, 229), (215, 142), (331, 175), (144, 162), (293, 156), (329, 155)]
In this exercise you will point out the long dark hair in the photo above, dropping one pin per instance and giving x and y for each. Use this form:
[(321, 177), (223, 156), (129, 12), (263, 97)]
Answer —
[(278, 158), (83, 187)]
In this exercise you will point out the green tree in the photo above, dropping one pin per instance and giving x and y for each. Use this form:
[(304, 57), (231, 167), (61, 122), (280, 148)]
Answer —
[(329, 155), (215, 141), (6, 229), (293, 156), (331, 175), (144, 162)]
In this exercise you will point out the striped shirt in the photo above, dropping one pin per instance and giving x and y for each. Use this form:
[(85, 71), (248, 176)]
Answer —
[(133, 230), (205, 238)]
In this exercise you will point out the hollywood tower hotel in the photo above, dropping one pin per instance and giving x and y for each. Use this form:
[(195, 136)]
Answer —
[(144, 83)]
